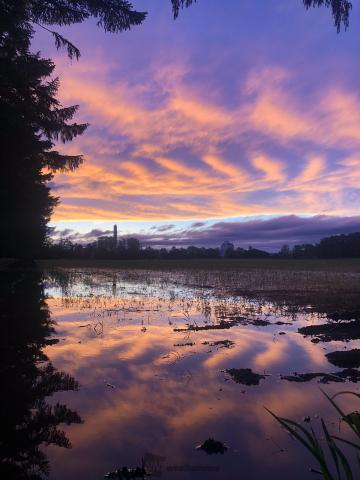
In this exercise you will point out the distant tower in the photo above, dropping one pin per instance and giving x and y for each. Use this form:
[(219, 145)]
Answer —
[(115, 236)]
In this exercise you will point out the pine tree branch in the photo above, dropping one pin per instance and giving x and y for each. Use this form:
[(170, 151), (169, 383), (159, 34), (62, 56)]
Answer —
[(178, 4), (340, 10), (56, 162), (62, 42)]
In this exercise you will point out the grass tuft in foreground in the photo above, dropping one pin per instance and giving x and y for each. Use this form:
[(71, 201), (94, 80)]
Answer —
[(333, 463)]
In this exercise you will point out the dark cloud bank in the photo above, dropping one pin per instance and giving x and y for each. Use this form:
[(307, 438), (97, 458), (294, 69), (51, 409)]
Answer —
[(268, 234)]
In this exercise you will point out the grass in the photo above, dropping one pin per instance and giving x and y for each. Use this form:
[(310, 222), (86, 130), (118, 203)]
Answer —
[(332, 462), (338, 264)]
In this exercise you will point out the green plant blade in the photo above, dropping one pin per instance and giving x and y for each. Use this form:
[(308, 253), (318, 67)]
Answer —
[(332, 448), (348, 442)]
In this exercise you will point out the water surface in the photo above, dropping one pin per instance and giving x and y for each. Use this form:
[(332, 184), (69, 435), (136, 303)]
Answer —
[(142, 364)]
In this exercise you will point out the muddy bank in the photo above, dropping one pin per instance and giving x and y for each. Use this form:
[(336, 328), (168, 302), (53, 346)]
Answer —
[(345, 359), (333, 331)]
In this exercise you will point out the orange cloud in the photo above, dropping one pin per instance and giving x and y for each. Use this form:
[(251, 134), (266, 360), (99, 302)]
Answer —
[(165, 149), (272, 169)]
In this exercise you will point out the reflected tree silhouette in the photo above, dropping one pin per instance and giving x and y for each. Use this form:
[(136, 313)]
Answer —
[(28, 421)]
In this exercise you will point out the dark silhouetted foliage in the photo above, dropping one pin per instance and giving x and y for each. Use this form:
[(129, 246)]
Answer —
[(28, 422), (285, 251), (336, 246), (32, 120), (340, 246), (111, 15), (306, 250), (178, 4), (131, 249), (340, 9)]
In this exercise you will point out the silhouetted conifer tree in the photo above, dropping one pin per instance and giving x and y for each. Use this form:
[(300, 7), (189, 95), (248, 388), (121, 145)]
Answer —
[(31, 120), (340, 10), (31, 117)]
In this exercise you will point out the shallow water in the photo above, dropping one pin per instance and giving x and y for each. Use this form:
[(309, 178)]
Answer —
[(151, 363)]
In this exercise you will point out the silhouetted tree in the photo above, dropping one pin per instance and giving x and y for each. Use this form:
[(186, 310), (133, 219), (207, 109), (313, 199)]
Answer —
[(340, 10), (306, 250), (132, 247), (178, 4), (336, 246), (256, 253), (111, 15), (27, 421), (31, 120), (340, 246), (285, 251), (31, 117)]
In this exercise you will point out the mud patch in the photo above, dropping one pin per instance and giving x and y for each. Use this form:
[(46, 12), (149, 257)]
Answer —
[(245, 376), (348, 374), (220, 344), (212, 447), (345, 359), (333, 331)]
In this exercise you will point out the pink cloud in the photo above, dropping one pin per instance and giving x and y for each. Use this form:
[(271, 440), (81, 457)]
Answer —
[(186, 154)]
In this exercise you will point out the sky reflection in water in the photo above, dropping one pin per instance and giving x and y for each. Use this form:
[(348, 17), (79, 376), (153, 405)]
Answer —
[(147, 388)]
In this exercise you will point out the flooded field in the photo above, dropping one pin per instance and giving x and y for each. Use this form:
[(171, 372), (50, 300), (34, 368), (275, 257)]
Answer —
[(139, 368)]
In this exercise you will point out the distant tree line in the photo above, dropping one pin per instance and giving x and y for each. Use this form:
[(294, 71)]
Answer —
[(337, 246), (130, 248)]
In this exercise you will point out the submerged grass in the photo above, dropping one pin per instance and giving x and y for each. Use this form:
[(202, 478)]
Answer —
[(332, 285)]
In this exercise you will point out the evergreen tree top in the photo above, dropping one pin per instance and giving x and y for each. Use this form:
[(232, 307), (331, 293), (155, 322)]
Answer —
[(112, 15), (340, 9)]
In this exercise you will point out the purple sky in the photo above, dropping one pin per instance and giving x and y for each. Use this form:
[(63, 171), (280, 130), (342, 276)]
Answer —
[(235, 114)]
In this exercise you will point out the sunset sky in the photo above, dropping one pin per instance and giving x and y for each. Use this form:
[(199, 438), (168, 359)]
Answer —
[(240, 121)]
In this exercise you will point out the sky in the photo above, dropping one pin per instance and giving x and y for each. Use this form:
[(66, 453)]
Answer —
[(238, 121)]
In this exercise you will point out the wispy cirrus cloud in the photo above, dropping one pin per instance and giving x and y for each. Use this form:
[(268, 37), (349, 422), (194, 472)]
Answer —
[(166, 151), (186, 126)]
